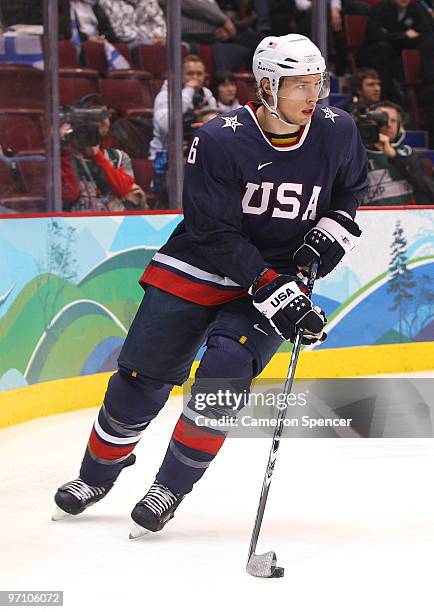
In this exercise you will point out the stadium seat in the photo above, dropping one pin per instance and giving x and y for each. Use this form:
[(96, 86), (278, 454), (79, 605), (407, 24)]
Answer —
[(24, 204), (129, 97), (21, 132), (153, 58), (21, 87), (411, 65), (124, 50), (69, 64), (33, 174), (427, 166), (355, 32), (430, 155), (68, 57), (244, 75), (95, 58), (7, 182), (206, 55), (14, 199), (411, 62), (246, 90), (143, 174), (72, 88)]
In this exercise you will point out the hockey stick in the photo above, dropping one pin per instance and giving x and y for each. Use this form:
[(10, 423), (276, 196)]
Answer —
[(264, 566)]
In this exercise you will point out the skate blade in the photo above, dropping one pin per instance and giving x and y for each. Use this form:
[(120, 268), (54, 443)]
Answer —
[(60, 515), (137, 531)]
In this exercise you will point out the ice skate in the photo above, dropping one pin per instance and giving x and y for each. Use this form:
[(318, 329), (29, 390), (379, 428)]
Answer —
[(154, 510), (75, 496)]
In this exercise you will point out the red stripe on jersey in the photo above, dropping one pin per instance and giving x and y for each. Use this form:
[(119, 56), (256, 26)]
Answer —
[(187, 289), (105, 451), (195, 437)]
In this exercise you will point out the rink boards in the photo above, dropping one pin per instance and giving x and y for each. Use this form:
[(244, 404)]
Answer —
[(68, 292)]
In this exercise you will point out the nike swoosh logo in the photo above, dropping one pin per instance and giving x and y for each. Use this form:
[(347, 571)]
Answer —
[(256, 325), (260, 166)]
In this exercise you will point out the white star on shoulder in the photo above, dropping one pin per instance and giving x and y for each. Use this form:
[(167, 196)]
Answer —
[(329, 114), (231, 122)]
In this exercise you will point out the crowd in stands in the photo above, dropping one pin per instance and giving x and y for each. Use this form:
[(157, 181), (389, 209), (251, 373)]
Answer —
[(112, 63)]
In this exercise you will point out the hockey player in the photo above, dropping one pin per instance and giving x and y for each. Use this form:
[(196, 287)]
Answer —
[(268, 188)]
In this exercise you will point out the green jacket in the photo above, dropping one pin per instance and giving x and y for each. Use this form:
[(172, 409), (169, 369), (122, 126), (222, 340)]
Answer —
[(399, 180)]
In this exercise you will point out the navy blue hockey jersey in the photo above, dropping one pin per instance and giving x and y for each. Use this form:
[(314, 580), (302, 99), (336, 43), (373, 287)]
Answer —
[(248, 204)]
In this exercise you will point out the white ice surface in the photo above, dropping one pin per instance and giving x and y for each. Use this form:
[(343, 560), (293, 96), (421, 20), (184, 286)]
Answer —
[(352, 522)]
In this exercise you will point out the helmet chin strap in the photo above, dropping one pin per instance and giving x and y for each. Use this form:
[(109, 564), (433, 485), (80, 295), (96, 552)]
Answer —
[(274, 112)]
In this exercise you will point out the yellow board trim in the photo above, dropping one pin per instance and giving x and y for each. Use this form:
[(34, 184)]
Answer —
[(44, 399)]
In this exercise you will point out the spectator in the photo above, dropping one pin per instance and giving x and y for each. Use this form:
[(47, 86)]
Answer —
[(394, 25), (365, 91), (203, 22), (305, 9), (252, 14), (96, 176), (225, 91), (335, 37), (355, 7), (136, 21), (15, 12), (92, 21), (395, 173), (195, 99)]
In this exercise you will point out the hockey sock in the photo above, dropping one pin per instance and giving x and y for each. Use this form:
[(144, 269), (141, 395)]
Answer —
[(225, 366), (130, 403)]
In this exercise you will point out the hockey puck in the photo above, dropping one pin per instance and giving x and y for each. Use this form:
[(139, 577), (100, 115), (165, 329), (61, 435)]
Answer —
[(278, 572)]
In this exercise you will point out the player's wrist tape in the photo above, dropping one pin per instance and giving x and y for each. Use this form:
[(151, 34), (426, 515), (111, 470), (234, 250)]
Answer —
[(264, 277)]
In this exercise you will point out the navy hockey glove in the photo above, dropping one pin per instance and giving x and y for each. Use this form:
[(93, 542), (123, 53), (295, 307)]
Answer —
[(287, 307), (332, 237)]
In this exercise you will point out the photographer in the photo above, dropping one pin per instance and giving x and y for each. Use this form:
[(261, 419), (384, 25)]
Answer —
[(395, 170), (365, 91), (195, 98), (95, 176)]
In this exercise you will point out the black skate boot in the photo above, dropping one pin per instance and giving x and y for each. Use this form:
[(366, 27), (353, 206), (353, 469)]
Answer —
[(75, 496), (154, 510)]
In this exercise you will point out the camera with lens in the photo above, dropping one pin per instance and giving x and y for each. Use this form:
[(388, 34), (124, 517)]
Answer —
[(84, 122), (369, 124)]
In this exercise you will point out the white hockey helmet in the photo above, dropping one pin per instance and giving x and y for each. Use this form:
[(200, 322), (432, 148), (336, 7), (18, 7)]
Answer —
[(284, 56)]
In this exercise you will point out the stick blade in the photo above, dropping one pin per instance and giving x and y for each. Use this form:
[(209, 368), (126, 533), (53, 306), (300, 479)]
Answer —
[(264, 566)]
